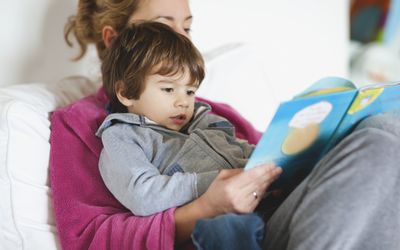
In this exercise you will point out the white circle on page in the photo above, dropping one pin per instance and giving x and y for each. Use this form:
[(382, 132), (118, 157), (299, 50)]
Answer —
[(314, 113)]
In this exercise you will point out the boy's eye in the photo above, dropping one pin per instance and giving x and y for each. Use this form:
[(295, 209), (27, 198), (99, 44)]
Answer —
[(190, 92), (188, 30), (168, 90)]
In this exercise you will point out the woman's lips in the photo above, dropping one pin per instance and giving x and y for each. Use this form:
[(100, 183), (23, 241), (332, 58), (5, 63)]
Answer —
[(178, 119)]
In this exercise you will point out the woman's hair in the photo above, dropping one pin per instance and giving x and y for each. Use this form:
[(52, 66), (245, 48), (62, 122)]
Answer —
[(143, 49), (92, 15)]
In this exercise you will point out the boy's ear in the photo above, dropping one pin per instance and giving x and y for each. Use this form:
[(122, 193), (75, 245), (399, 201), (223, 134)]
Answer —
[(127, 102), (108, 34)]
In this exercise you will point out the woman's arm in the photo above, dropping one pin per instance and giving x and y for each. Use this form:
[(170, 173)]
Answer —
[(231, 191), (186, 218)]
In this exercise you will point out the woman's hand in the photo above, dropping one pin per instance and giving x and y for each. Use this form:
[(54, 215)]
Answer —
[(237, 190)]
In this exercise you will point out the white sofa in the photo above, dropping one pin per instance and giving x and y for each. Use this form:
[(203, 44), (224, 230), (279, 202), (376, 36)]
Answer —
[(25, 209), (261, 70)]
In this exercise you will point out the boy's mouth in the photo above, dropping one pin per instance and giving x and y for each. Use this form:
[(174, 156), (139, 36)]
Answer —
[(179, 119)]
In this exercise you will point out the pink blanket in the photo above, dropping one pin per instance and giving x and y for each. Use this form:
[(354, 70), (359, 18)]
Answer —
[(87, 215)]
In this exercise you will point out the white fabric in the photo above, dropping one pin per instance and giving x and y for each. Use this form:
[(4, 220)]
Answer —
[(236, 74), (25, 208)]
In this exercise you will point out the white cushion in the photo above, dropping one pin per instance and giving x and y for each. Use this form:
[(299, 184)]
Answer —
[(236, 74), (25, 209)]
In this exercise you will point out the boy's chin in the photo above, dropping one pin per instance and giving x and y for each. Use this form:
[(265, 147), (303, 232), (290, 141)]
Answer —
[(174, 127)]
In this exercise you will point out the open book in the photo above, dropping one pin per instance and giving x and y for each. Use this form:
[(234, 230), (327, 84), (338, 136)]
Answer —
[(307, 127)]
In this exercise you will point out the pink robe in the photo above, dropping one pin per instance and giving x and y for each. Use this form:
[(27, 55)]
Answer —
[(87, 215)]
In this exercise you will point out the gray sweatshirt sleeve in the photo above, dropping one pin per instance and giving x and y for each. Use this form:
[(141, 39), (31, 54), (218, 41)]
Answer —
[(138, 184)]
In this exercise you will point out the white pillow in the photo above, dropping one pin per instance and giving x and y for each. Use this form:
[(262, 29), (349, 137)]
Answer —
[(236, 75), (25, 207)]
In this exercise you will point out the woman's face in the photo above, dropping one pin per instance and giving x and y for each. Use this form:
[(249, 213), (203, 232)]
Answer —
[(174, 13)]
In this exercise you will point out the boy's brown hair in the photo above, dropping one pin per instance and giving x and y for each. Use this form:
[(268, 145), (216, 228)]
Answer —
[(143, 49)]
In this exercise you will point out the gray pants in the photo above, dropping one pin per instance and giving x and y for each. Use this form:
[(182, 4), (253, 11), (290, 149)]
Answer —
[(351, 200)]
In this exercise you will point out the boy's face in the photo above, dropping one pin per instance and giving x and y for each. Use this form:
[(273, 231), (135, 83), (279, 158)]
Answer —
[(166, 100)]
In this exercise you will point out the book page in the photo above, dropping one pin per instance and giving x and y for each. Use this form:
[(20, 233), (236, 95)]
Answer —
[(298, 133)]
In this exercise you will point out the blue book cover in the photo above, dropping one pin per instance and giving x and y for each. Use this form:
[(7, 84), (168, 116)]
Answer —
[(370, 100), (307, 127)]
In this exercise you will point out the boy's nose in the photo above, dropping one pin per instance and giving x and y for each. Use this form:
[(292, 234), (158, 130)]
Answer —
[(182, 102)]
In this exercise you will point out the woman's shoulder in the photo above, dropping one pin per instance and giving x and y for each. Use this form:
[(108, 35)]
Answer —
[(88, 111), (81, 95)]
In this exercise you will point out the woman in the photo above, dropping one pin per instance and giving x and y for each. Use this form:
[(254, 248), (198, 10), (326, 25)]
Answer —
[(75, 149), (347, 202)]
